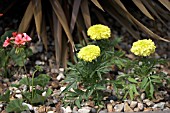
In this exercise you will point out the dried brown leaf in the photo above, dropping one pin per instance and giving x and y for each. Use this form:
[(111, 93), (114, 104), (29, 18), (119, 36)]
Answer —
[(107, 6), (166, 3), (37, 9), (86, 13), (25, 22), (97, 4), (57, 39), (75, 11), (142, 8), (62, 19)]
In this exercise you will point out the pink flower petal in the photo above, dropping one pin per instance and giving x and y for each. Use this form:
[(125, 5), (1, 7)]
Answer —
[(7, 42)]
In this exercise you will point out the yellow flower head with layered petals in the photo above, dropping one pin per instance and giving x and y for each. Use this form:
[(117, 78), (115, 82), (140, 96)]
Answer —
[(98, 32), (89, 53), (143, 47)]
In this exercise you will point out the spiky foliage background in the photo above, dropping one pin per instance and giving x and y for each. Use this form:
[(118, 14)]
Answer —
[(70, 19)]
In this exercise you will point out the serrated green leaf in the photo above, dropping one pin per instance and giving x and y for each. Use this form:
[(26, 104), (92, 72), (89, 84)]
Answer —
[(144, 81), (156, 80), (5, 97), (77, 102), (132, 80), (131, 93), (154, 76), (151, 90), (69, 86), (90, 92), (16, 106), (147, 84), (42, 80), (25, 81), (38, 98), (99, 87), (15, 85), (72, 94), (49, 92)]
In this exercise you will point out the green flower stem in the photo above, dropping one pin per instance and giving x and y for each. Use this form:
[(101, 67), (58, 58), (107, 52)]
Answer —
[(33, 83)]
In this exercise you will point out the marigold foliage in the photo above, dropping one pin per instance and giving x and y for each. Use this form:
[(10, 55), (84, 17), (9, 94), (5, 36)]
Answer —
[(143, 47), (89, 53), (98, 32)]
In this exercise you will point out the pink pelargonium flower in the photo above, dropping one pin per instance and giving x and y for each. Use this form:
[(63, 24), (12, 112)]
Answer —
[(7, 42), (14, 34), (26, 38), (19, 40)]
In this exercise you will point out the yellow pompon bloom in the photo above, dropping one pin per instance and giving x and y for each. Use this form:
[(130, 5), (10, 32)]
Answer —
[(98, 32), (89, 53), (143, 47)]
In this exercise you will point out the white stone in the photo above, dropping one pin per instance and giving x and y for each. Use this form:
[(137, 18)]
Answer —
[(84, 110), (60, 76), (62, 88), (149, 103), (68, 109), (50, 112), (17, 91), (35, 109), (54, 70), (55, 101), (136, 109), (18, 96), (61, 69), (5, 80), (133, 104), (1, 105), (142, 96), (44, 93), (63, 110), (140, 106), (29, 105), (119, 107), (146, 100)]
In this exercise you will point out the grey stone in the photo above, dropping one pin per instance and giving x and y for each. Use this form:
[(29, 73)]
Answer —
[(103, 111), (159, 105), (93, 110), (119, 107)]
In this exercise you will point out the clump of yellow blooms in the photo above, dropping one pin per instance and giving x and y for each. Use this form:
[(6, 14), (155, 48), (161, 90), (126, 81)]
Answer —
[(89, 53), (98, 32), (143, 47)]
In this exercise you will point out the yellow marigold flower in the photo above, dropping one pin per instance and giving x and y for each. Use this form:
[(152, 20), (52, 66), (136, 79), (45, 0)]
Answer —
[(89, 53), (143, 47), (98, 32)]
